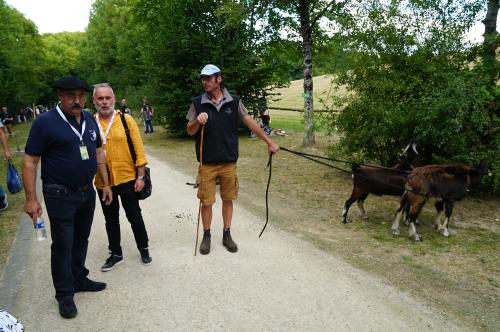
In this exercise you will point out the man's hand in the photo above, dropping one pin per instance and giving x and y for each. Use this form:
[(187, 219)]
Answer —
[(139, 184), (273, 147), (6, 154), (107, 195), (202, 118), (33, 209)]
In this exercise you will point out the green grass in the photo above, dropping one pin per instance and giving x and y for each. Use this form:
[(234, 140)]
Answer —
[(9, 219), (292, 96)]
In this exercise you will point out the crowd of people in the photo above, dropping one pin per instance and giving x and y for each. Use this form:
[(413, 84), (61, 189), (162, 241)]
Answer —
[(104, 159)]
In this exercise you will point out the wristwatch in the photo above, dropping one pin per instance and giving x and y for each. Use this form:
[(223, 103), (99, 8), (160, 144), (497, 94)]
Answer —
[(141, 177)]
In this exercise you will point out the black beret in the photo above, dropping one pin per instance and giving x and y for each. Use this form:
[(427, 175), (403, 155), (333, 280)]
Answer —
[(70, 83)]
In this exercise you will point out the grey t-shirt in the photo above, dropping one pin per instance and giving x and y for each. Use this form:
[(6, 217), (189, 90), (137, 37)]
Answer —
[(242, 111)]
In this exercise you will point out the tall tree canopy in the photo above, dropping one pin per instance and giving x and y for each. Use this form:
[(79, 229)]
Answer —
[(156, 49), (414, 75), (21, 58)]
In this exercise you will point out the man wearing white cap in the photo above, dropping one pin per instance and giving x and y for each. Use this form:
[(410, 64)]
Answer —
[(218, 111)]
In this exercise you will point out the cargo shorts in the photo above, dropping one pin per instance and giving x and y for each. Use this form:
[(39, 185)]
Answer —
[(207, 174)]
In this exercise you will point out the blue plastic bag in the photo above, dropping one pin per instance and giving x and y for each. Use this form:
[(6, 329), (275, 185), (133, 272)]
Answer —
[(14, 182)]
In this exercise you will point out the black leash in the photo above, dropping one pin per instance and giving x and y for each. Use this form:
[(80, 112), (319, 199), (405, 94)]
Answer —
[(303, 154), (270, 165), (311, 157)]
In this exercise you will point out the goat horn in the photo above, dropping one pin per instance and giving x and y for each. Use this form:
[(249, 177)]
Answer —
[(414, 147)]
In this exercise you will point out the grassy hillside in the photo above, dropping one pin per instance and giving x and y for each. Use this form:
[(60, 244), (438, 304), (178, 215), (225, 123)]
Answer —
[(292, 96)]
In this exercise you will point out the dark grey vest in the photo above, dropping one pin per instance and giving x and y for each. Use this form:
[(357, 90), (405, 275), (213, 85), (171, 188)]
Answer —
[(220, 142)]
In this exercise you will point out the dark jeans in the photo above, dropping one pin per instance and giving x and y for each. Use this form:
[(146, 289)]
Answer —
[(133, 212), (71, 214), (148, 126)]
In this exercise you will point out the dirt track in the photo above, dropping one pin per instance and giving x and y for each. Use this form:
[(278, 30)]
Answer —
[(274, 283)]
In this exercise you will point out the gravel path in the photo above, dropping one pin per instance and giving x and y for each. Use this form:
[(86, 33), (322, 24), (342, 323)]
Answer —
[(275, 283)]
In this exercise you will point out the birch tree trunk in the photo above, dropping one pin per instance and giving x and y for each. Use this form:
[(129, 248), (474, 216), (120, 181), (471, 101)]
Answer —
[(306, 32)]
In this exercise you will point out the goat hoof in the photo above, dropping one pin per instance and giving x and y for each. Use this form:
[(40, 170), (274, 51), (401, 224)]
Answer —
[(417, 237), (345, 221), (407, 223), (445, 232), (395, 232), (364, 217)]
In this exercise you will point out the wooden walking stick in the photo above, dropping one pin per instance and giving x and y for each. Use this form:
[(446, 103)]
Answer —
[(199, 188)]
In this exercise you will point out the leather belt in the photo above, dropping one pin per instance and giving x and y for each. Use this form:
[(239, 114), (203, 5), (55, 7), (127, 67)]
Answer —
[(66, 188)]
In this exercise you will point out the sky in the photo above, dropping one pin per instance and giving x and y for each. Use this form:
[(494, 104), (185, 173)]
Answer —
[(55, 15), (73, 15)]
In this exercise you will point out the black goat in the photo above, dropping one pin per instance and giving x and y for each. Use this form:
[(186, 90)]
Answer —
[(448, 183), (380, 181)]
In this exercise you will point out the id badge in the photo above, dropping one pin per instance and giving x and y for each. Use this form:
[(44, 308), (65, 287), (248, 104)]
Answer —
[(83, 152)]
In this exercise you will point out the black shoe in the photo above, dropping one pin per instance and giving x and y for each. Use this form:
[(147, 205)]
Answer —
[(3, 203), (67, 307), (87, 285), (205, 243), (111, 262), (227, 241), (145, 258)]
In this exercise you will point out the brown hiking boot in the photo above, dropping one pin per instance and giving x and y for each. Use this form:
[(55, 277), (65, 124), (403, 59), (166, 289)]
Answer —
[(227, 241), (205, 243)]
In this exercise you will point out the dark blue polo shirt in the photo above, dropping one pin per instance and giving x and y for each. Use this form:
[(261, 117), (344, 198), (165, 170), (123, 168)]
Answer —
[(54, 141)]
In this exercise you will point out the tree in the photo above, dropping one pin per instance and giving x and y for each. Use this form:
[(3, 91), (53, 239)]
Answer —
[(411, 79), (309, 13), (20, 59), (491, 70), (60, 53), (156, 49)]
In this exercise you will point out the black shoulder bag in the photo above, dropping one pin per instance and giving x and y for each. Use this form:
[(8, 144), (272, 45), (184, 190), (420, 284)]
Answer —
[(148, 186)]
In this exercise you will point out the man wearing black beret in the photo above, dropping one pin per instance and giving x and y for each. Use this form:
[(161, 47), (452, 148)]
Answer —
[(67, 141)]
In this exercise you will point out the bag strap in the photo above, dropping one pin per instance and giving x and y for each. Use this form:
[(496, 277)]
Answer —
[(129, 140)]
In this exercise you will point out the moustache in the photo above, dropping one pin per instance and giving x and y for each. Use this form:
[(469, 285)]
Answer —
[(76, 106)]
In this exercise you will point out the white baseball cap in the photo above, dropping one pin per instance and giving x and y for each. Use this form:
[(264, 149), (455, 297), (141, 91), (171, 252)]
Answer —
[(209, 70)]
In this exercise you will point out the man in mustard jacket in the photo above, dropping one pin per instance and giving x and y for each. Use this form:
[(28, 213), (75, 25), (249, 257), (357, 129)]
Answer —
[(122, 175)]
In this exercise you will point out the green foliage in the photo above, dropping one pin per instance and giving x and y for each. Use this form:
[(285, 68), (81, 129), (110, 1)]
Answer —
[(20, 59), (156, 49), (409, 82), (60, 54)]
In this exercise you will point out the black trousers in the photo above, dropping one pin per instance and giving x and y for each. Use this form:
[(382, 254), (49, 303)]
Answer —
[(133, 212), (71, 214)]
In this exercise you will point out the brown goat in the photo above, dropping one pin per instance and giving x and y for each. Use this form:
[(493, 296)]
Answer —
[(448, 183), (380, 181)]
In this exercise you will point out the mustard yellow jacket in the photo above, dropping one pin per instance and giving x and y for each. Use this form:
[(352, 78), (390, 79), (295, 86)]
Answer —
[(121, 168)]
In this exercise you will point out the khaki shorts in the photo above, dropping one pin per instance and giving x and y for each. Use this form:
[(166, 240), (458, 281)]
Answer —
[(228, 182)]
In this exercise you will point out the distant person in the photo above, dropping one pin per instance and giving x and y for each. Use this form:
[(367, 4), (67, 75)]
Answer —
[(21, 116), (7, 119), (124, 108), (123, 179), (37, 111), (67, 141), (29, 113), (219, 111), (6, 156), (147, 115)]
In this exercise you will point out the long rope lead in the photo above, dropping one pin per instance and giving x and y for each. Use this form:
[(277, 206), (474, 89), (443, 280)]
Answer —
[(270, 165), (199, 188)]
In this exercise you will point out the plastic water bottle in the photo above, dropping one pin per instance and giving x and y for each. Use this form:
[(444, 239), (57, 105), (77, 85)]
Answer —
[(40, 232)]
